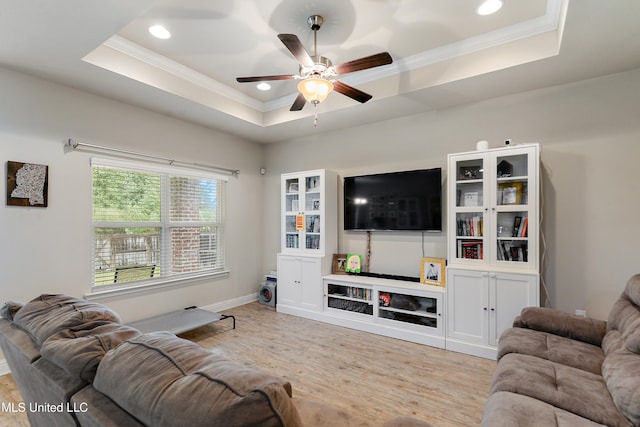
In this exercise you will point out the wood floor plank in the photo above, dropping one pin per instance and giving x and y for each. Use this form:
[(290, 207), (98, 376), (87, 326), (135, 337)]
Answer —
[(373, 376)]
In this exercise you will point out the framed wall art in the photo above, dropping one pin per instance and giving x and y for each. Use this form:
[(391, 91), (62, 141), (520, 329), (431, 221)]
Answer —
[(27, 184)]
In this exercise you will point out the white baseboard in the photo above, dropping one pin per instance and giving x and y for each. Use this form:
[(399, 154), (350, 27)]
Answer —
[(236, 302)]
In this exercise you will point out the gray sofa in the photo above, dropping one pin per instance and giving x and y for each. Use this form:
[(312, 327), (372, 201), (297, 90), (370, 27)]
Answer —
[(75, 363), (557, 369)]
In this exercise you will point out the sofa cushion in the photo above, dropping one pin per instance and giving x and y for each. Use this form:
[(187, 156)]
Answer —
[(94, 409), (562, 324), (625, 315), (558, 349), (631, 337), (632, 289), (157, 375), (574, 390), (505, 409), (17, 343), (47, 315), (79, 352), (621, 371), (9, 309)]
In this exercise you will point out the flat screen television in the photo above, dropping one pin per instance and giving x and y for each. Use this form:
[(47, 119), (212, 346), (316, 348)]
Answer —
[(409, 200)]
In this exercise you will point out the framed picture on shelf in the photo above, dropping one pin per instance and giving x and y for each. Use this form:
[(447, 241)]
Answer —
[(511, 193), (292, 186), (339, 265), (353, 264), (471, 198), (432, 271)]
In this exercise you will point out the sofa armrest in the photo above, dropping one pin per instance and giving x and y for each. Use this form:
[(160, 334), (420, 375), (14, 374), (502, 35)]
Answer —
[(560, 323)]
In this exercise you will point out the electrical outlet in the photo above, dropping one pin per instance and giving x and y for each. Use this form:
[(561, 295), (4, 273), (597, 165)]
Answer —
[(582, 313)]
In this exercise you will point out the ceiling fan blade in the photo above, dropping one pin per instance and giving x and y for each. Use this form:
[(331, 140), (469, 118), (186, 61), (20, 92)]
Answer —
[(363, 63), (351, 92), (265, 78), (295, 46), (298, 104)]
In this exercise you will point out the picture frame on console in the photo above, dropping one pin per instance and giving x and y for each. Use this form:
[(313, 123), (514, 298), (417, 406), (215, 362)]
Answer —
[(432, 271), (339, 264), (354, 263)]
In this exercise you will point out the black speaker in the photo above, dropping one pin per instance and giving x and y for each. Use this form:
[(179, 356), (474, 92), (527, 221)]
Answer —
[(267, 294)]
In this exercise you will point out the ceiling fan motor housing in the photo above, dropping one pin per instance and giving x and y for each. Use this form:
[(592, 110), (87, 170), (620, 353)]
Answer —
[(315, 22), (322, 67)]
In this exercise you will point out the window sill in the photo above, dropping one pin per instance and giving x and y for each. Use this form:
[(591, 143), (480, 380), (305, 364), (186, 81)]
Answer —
[(153, 286)]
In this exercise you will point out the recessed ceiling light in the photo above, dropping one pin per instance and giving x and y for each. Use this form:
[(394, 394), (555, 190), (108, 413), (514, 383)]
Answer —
[(263, 86), (160, 32), (489, 7)]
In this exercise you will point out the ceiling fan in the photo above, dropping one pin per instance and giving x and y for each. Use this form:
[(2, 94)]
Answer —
[(317, 72)]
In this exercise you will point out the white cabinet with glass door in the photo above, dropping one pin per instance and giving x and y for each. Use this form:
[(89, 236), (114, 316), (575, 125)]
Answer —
[(309, 212), (309, 230), (493, 242), (493, 208)]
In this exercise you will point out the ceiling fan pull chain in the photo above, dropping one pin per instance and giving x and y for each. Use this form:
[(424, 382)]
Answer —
[(315, 120)]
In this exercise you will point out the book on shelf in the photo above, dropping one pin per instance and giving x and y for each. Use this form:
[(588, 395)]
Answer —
[(471, 226), (520, 226), (470, 250), (516, 226), (293, 240), (359, 293), (507, 251), (523, 228)]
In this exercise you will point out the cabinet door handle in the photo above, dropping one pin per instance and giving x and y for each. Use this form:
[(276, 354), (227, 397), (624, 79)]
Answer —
[(485, 308)]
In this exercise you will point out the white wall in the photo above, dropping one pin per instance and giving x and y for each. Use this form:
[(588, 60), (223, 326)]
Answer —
[(48, 250), (590, 138)]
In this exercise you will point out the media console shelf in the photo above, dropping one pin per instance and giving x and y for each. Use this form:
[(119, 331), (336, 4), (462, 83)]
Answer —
[(395, 308)]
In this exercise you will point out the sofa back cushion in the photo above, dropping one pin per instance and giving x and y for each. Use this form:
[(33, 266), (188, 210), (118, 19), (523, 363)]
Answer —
[(79, 352), (47, 315), (621, 372), (9, 309), (625, 315), (164, 380)]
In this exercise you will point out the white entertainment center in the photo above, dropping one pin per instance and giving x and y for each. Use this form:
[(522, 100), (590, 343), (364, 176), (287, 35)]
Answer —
[(493, 257)]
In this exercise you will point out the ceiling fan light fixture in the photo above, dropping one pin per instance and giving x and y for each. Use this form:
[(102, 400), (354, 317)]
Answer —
[(315, 89), (489, 7)]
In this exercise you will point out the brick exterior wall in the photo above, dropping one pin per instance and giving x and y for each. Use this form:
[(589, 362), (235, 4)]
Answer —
[(185, 240)]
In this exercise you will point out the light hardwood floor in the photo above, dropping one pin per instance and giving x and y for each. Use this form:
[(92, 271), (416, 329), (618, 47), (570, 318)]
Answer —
[(373, 376)]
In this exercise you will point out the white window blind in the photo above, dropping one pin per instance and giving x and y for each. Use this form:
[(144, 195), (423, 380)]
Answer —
[(153, 222)]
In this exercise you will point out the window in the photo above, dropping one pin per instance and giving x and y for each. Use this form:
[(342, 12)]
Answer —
[(154, 223)]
